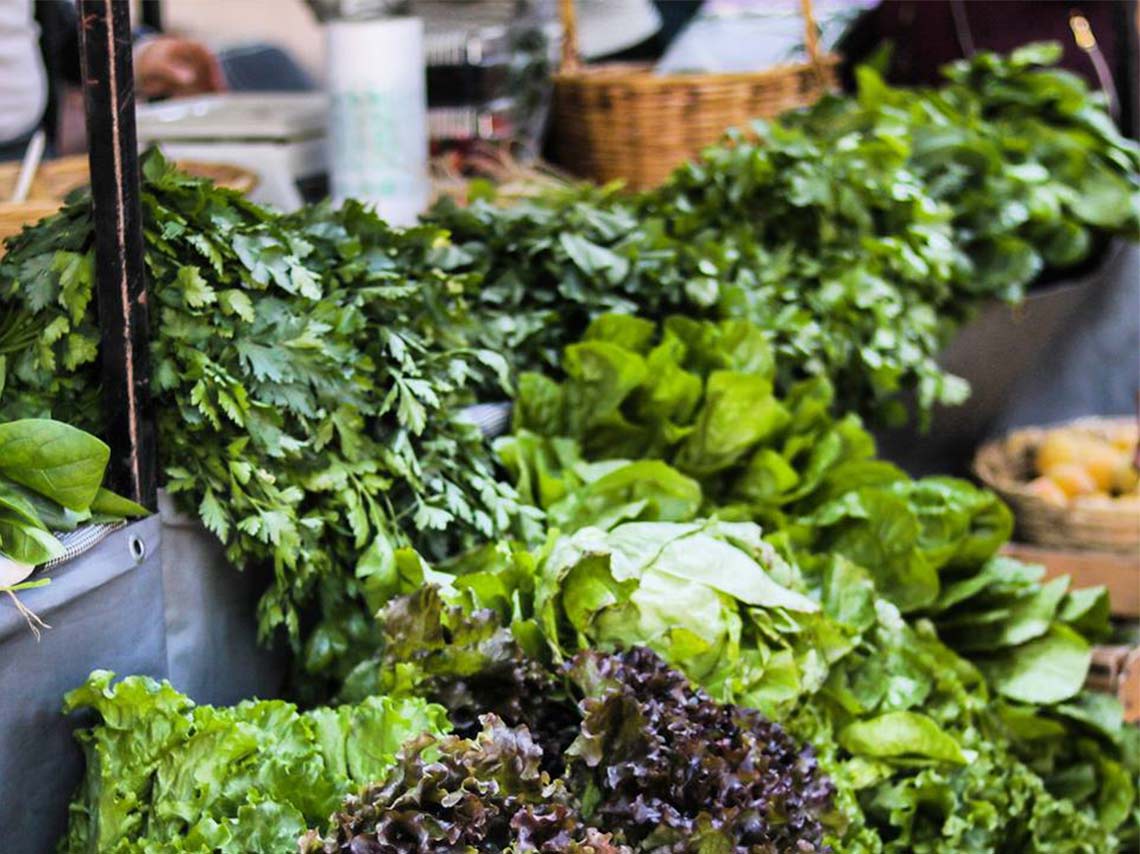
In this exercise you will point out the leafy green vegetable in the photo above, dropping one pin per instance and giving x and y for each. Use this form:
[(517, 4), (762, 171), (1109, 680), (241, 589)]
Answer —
[(472, 665), (306, 373), (736, 447), (55, 460), (1050, 669), (638, 584), (898, 717), (921, 665), (901, 734), (166, 775), (457, 795), (665, 766), (50, 480), (857, 234), (654, 762)]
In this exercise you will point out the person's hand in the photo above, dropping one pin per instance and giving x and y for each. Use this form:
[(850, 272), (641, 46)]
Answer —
[(170, 66)]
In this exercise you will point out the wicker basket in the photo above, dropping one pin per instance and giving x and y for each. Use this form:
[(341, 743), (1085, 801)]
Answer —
[(56, 178), (15, 215), (624, 122), (1007, 466)]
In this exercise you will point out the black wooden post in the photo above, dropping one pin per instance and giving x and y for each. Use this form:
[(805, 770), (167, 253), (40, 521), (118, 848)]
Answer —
[(108, 88)]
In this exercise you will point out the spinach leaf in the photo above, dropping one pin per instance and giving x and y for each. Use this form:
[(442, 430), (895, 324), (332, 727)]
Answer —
[(50, 480), (60, 462)]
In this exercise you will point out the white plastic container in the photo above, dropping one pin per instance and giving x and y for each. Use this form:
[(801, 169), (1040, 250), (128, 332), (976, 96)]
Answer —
[(378, 130)]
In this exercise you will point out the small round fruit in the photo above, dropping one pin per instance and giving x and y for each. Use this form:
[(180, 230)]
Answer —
[(1047, 490), (1058, 448), (1125, 441), (1072, 479), (1102, 463), (1125, 479)]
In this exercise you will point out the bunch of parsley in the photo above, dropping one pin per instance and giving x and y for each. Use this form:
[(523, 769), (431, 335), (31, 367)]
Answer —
[(306, 379)]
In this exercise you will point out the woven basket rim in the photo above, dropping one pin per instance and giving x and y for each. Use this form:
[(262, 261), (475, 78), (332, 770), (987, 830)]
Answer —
[(11, 208), (56, 178), (998, 447), (1099, 523), (228, 175), (640, 74)]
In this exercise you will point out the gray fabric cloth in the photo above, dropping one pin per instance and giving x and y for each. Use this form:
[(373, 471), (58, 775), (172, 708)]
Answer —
[(1091, 365), (156, 598), (105, 611), (492, 419), (1069, 350), (211, 626)]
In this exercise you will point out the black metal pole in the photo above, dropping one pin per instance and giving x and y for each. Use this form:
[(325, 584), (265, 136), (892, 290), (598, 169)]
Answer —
[(120, 287)]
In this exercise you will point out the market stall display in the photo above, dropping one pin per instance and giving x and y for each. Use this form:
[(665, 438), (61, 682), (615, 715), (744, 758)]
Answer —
[(859, 233), (504, 783), (685, 577), (270, 330)]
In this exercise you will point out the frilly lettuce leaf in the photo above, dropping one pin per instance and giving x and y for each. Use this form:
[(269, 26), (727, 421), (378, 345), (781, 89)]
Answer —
[(165, 774)]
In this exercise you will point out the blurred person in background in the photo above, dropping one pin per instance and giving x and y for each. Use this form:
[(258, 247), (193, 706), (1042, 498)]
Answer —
[(39, 52), (921, 36)]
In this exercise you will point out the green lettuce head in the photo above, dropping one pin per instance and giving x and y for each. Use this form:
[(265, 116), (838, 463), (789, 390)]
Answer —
[(689, 591)]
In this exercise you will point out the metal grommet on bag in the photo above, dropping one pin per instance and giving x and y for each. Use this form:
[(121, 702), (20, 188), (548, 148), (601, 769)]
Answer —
[(138, 549)]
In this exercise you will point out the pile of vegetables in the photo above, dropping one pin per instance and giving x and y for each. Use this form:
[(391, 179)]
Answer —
[(683, 607), (166, 775), (858, 233), (651, 764), (871, 614), (614, 751), (307, 368), (306, 378), (455, 794)]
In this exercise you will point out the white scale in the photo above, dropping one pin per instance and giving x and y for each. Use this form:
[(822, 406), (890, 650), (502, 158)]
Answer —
[(281, 137)]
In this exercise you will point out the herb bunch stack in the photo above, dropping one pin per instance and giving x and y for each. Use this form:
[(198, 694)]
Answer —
[(859, 233), (306, 373)]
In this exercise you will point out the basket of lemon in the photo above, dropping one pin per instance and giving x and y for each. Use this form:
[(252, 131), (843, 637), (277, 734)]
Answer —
[(1072, 486)]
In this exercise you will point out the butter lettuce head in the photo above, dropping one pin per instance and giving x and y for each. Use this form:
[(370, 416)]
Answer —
[(682, 589)]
